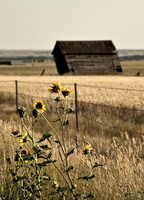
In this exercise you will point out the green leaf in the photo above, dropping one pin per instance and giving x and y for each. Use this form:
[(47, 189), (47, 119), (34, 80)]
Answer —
[(44, 164), (45, 147), (19, 178), (89, 196), (69, 110), (52, 193), (57, 120), (97, 165), (86, 177), (90, 177), (76, 196), (47, 136), (36, 149), (70, 152), (41, 140), (12, 172), (57, 141), (49, 155), (28, 157), (46, 178), (61, 189), (66, 123), (18, 136), (41, 156), (69, 168)]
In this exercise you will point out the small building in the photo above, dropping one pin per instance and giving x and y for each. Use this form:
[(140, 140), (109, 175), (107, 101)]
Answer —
[(86, 57), (5, 62)]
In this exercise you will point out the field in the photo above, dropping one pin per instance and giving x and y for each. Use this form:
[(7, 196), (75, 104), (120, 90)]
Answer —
[(130, 68), (108, 90), (114, 100)]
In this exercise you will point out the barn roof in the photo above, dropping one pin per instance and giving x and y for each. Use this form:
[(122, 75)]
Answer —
[(84, 47)]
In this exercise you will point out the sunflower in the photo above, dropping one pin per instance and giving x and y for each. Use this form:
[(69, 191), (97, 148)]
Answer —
[(55, 185), (86, 150), (16, 132), (23, 138), (66, 92), (24, 152), (56, 87), (40, 106)]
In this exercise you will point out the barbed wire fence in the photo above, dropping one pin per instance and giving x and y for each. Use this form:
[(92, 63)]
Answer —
[(87, 114)]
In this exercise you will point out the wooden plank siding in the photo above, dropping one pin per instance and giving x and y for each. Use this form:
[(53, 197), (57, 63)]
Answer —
[(71, 58)]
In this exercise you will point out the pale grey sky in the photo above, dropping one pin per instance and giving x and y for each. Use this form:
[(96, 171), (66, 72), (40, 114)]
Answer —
[(37, 24)]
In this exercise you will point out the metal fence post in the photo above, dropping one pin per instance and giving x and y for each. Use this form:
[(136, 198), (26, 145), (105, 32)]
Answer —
[(76, 105), (16, 84)]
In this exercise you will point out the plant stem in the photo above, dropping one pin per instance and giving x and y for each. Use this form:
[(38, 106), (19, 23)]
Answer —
[(61, 174), (54, 132), (26, 129)]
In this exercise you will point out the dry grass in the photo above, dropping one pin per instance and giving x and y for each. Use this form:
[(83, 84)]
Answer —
[(98, 93), (35, 69), (121, 177), (133, 67), (98, 90), (29, 69)]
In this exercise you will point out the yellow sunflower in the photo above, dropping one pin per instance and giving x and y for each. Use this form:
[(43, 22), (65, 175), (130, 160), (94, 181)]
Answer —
[(55, 185), (66, 92), (40, 106), (56, 87), (16, 132), (24, 152), (86, 150), (23, 138)]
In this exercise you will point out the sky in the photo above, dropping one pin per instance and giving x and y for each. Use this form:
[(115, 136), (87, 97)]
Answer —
[(38, 24)]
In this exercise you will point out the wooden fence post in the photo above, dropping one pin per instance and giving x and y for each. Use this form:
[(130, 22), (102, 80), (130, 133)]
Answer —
[(16, 84), (76, 105)]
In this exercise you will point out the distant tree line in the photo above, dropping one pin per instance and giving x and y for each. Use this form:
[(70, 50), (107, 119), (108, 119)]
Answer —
[(131, 58), (50, 58), (28, 58)]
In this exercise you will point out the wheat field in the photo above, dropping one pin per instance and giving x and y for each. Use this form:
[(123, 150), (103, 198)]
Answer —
[(108, 90)]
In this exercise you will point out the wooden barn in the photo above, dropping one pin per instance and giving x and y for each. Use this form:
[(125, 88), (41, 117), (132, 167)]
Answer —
[(86, 57)]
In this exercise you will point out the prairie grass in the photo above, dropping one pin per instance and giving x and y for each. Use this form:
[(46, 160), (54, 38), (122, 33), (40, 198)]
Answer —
[(29, 69), (120, 177), (130, 68), (107, 90), (101, 100), (121, 152)]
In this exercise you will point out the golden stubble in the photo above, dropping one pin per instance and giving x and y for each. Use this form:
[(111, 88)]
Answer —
[(108, 90)]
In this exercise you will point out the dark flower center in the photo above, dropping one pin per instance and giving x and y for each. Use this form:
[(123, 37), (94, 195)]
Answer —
[(39, 106), (65, 93), (86, 151), (56, 88), (24, 152)]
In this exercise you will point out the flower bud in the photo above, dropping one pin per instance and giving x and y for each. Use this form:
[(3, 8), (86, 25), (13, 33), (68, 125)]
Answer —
[(22, 112)]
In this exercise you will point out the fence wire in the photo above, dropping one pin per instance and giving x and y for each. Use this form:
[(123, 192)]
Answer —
[(110, 126), (82, 113), (110, 88)]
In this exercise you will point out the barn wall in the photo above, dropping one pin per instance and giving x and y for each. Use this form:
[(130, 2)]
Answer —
[(92, 64), (61, 64)]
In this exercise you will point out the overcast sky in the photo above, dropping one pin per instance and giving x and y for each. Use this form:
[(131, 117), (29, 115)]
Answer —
[(37, 24)]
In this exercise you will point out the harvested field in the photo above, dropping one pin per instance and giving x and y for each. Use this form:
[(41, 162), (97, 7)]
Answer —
[(108, 90)]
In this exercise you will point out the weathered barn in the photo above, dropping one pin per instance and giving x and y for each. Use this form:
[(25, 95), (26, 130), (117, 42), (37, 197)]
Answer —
[(86, 57)]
